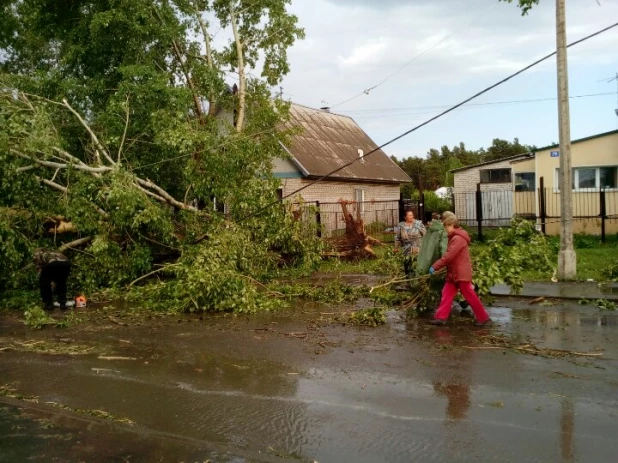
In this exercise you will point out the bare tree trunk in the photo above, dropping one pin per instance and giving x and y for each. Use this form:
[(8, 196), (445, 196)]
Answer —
[(242, 80), (209, 61), (185, 71)]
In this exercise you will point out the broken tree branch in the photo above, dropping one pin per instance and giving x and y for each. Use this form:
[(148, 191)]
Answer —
[(154, 272), (75, 243), (53, 185), (94, 137), (57, 165), (168, 198)]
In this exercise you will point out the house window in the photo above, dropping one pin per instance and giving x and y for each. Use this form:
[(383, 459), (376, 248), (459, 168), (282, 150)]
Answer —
[(359, 197), (525, 181), (280, 194), (496, 175), (591, 178)]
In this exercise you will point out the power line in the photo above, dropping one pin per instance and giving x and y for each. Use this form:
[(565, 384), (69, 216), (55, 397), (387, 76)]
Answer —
[(428, 121), (427, 50), (490, 103)]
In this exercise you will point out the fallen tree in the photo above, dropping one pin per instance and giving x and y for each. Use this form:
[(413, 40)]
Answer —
[(135, 138)]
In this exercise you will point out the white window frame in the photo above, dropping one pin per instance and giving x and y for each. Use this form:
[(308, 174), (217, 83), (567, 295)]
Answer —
[(575, 179)]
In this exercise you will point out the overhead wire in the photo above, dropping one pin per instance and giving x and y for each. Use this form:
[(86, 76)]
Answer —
[(423, 124), (424, 52), (473, 105)]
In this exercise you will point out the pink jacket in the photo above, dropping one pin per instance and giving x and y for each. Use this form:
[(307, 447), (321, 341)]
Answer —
[(457, 258)]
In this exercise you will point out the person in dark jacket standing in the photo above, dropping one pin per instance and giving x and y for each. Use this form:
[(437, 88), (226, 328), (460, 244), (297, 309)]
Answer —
[(458, 275), (53, 267)]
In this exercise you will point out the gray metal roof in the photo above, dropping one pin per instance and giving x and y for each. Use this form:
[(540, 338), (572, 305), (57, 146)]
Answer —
[(328, 141)]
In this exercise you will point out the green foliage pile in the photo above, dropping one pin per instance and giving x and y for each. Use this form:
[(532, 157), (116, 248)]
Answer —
[(373, 316), (514, 250), (612, 272)]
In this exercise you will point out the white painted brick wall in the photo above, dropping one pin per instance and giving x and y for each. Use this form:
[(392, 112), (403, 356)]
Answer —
[(465, 186), (331, 192)]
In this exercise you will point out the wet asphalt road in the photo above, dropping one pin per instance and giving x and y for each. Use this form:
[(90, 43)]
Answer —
[(300, 387)]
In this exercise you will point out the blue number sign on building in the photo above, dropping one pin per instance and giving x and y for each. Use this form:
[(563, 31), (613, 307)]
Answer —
[(554, 154)]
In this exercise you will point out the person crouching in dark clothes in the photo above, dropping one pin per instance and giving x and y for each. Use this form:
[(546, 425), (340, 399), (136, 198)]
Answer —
[(53, 267)]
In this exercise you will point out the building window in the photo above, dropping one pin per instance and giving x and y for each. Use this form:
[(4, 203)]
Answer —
[(591, 178), (359, 197), (525, 181), (608, 177), (280, 194), (496, 175)]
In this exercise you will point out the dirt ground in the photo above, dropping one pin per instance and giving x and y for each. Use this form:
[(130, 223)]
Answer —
[(540, 386)]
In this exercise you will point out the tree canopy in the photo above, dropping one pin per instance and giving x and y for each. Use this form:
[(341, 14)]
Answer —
[(433, 171)]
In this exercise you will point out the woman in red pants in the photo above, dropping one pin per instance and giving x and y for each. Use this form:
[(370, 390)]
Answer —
[(458, 275)]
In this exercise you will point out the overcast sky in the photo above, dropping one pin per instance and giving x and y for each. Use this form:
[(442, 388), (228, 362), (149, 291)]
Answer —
[(352, 45)]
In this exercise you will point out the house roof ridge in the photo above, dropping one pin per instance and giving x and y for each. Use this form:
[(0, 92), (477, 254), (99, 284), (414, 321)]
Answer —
[(486, 163), (590, 137), (321, 110)]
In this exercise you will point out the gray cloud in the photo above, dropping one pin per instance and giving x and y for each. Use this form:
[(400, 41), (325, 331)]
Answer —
[(354, 44)]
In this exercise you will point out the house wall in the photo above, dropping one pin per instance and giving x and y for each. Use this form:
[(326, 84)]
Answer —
[(331, 192), (525, 203), (597, 152), (465, 189), (465, 181), (380, 208), (529, 165), (284, 168)]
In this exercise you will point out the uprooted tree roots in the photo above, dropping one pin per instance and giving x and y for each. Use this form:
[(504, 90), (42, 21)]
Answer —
[(355, 243)]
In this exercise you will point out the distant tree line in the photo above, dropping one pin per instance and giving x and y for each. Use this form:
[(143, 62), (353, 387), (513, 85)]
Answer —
[(433, 171)]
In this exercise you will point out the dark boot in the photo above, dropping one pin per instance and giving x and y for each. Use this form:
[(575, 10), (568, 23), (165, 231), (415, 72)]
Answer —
[(437, 322), (487, 322)]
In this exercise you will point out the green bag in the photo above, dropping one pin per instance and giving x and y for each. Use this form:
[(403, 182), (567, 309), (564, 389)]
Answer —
[(433, 247)]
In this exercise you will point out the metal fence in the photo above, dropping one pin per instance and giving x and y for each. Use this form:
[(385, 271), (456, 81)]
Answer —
[(379, 217), (595, 211)]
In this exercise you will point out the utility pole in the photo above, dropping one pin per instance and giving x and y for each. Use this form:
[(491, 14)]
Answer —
[(567, 262)]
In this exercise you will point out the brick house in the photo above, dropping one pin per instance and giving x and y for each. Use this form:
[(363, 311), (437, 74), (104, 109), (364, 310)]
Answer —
[(521, 185), (495, 180), (327, 142)]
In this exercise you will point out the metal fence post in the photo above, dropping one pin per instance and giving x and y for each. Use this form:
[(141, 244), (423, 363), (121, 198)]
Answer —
[(603, 213), (318, 219), (542, 205), (479, 211)]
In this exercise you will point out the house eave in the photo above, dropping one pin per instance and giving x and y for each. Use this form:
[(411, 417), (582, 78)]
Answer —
[(357, 180)]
